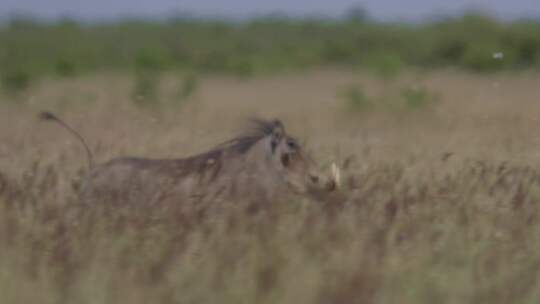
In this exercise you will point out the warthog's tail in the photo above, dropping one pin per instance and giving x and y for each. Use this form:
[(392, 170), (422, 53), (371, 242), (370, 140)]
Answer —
[(48, 116)]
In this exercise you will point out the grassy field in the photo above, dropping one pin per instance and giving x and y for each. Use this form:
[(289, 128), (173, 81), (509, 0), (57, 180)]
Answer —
[(441, 169)]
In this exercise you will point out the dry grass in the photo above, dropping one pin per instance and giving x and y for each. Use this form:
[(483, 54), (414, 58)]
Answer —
[(421, 225)]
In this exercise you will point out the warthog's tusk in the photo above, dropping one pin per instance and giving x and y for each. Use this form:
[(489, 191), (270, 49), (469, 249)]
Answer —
[(336, 175)]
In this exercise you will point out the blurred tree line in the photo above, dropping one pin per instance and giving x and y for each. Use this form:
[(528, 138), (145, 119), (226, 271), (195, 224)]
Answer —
[(30, 48)]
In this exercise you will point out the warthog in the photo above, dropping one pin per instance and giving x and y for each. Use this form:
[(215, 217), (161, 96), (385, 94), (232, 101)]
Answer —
[(263, 165)]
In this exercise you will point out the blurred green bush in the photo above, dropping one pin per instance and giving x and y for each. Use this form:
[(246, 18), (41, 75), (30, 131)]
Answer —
[(145, 91), (355, 98), (263, 45), (188, 86), (14, 82), (417, 97)]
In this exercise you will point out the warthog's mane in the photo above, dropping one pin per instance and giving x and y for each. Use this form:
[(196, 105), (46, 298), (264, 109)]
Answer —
[(236, 146), (258, 129)]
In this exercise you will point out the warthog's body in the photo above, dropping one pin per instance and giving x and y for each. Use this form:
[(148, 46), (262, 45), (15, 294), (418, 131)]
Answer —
[(261, 166), (224, 174)]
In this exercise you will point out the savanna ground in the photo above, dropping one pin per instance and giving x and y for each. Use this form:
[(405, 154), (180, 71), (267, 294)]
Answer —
[(442, 170)]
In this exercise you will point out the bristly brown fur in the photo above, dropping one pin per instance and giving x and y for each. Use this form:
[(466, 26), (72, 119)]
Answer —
[(229, 170), (199, 163), (257, 129)]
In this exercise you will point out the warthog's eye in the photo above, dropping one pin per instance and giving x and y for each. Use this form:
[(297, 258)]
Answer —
[(314, 178), (285, 160), (292, 144)]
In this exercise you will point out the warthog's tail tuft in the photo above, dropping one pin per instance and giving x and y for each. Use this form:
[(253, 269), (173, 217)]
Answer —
[(48, 116)]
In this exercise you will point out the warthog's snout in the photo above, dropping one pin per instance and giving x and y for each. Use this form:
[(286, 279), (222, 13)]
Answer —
[(324, 182)]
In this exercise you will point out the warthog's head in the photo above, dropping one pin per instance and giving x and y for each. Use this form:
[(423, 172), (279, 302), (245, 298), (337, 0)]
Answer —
[(293, 164)]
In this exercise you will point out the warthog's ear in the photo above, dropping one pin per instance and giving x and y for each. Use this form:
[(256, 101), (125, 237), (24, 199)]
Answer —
[(278, 132)]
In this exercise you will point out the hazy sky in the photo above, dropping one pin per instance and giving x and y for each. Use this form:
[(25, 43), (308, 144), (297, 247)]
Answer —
[(384, 9)]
